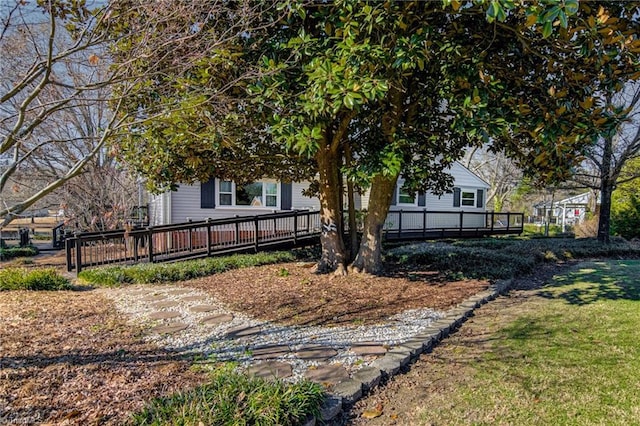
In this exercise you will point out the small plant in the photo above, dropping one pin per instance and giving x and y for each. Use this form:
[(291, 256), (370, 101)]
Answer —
[(550, 256), (283, 272), (35, 279), (234, 398)]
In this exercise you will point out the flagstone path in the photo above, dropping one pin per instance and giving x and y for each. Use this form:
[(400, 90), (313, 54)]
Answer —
[(188, 320)]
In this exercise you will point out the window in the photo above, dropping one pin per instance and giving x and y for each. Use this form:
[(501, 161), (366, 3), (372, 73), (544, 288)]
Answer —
[(405, 196), (249, 195), (271, 194), (255, 194), (226, 193), (468, 198)]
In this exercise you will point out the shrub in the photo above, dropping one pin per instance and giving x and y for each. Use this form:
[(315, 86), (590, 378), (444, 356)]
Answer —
[(34, 279), (232, 398), (504, 258), (179, 271), (11, 252)]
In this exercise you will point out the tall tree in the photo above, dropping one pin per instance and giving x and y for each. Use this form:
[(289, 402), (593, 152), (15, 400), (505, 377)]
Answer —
[(617, 145), (625, 205), (51, 67)]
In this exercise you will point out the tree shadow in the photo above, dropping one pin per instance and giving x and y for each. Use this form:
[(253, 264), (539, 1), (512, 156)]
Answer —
[(595, 282)]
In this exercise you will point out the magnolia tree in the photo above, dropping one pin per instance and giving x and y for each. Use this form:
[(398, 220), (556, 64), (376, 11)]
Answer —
[(369, 90)]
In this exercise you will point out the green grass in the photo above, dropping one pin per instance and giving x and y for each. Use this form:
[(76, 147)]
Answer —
[(572, 357), (32, 279), (501, 258), (171, 272), (532, 230), (232, 398)]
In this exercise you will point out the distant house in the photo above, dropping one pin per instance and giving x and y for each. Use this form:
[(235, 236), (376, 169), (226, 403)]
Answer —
[(566, 212), (218, 198)]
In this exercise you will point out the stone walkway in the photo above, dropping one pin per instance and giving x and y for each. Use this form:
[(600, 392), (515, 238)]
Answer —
[(188, 320)]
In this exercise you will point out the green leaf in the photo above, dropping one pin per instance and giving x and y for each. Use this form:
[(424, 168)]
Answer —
[(571, 7), (348, 101), (547, 29), (563, 19)]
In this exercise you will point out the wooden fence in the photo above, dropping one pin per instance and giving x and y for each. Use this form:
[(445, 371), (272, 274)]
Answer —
[(254, 233)]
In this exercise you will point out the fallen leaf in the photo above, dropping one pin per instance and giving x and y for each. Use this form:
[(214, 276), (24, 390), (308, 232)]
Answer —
[(372, 413)]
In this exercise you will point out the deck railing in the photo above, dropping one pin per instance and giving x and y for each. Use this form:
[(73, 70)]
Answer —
[(254, 233), (191, 239), (416, 224)]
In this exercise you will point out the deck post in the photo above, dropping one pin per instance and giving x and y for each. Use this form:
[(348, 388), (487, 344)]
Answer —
[(492, 219), (209, 245), (78, 253), (150, 245), (275, 227), (256, 238), (190, 239), (135, 248), (424, 223), (68, 244), (461, 221), (295, 227), (399, 223), (237, 223)]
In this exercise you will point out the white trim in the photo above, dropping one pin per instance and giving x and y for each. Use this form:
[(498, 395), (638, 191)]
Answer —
[(474, 200)]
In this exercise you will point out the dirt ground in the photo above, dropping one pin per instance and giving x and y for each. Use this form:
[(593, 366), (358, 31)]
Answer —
[(70, 358)]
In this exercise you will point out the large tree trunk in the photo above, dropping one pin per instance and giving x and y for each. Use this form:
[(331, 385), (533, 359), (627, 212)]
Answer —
[(369, 258), (604, 220), (351, 200), (606, 188), (333, 256)]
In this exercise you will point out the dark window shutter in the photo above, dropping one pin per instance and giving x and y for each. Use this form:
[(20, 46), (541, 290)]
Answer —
[(456, 197), (286, 196), (480, 198), (208, 194), (394, 197), (422, 199)]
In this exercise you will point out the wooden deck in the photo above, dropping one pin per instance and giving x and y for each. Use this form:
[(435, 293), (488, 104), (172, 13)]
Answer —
[(264, 232)]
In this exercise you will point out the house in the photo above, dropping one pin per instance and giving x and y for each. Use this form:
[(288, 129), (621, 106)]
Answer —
[(217, 199), (566, 212)]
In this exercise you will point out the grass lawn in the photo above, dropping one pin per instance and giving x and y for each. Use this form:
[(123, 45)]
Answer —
[(569, 355)]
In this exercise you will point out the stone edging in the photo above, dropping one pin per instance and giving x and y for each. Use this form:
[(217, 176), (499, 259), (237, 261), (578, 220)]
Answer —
[(346, 393)]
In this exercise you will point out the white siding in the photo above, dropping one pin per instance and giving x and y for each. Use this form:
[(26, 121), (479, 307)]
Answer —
[(185, 205), (299, 201), (156, 209), (465, 178)]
